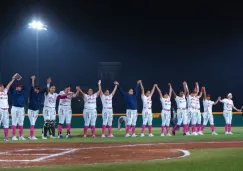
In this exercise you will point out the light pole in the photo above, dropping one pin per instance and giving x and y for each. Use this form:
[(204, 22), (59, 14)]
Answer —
[(37, 26)]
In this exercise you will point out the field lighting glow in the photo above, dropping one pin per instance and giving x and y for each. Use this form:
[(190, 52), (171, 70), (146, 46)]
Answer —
[(37, 25)]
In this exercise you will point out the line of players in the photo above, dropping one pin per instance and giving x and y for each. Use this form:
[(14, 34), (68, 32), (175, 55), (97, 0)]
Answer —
[(188, 111)]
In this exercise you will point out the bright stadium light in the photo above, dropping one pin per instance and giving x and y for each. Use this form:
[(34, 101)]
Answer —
[(37, 25)]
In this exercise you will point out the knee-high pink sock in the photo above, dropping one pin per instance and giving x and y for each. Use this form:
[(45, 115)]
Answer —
[(13, 130), (93, 130), (5, 133), (133, 129), (162, 129), (175, 128), (167, 129), (150, 129), (202, 128), (31, 130), (85, 130), (68, 128), (143, 128), (59, 128), (109, 130), (229, 127), (193, 128), (184, 128), (226, 128), (198, 127), (212, 128), (127, 129), (21, 131), (103, 129)]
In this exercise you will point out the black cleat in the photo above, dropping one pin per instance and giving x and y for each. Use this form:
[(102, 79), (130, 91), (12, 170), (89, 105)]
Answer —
[(173, 133)]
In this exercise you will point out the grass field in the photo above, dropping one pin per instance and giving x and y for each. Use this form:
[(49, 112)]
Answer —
[(199, 160)]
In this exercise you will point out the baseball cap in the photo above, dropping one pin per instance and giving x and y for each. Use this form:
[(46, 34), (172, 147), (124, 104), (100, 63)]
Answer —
[(19, 85), (37, 87), (208, 95), (1, 85)]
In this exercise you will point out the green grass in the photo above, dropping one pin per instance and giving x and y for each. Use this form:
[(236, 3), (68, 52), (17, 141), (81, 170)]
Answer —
[(229, 159)]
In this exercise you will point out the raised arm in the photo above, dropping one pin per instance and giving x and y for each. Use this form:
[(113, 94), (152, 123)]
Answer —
[(204, 93), (115, 88), (152, 91), (238, 110), (186, 91), (48, 85), (142, 88), (196, 87), (219, 98), (159, 91), (170, 91), (10, 83), (77, 92), (136, 88), (99, 86), (121, 90), (81, 92), (200, 95)]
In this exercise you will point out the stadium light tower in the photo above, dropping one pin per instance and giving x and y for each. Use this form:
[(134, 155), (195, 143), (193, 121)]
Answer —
[(37, 26)]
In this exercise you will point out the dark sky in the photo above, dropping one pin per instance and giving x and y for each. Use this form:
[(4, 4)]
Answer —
[(155, 42)]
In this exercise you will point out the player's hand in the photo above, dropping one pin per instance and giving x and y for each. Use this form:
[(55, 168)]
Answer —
[(196, 83), (238, 110), (139, 81), (169, 84), (155, 85), (77, 88), (99, 82), (33, 77), (49, 80), (219, 98), (184, 83), (116, 83)]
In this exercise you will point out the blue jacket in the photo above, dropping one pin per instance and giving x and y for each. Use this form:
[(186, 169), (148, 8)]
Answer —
[(130, 100), (18, 97)]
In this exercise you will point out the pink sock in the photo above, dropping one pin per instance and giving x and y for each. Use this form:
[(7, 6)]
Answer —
[(202, 128), (187, 128), (21, 131), (212, 128), (184, 128), (167, 129), (6, 133), (103, 129), (127, 129), (93, 130), (133, 129), (229, 127), (198, 127), (175, 128), (150, 129), (162, 129), (59, 128), (31, 130), (193, 128), (13, 130), (143, 128), (68, 128), (85, 130), (109, 130), (226, 128)]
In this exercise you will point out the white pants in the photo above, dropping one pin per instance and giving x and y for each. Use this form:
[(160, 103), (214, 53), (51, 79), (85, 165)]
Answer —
[(227, 116), (49, 113), (182, 116), (131, 117), (208, 117), (33, 115), (64, 114), (165, 116), (107, 116), (17, 114), (4, 118), (90, 116), (199, 117), (192, 115), (147, 116)]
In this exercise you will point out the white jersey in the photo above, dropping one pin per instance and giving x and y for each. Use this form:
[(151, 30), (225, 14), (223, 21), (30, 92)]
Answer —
[(198, 102), (228, 104), (208, 105), (50, 100), (181, 102), (90, 101), (166, 103), (106, 101), (147, 102), (67, 101), (4, 99), (192, 101)]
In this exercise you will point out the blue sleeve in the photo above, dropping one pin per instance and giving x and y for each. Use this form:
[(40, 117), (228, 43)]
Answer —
[(11, 90), (121, 90), (136, 90), (43, 91)]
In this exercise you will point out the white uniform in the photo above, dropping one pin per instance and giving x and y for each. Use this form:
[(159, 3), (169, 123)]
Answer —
[(181, 110), (166, 111), (198, 112), (107, 111), (33, 115), (49, 110), (4, 118), (208, 114), (192, 106), (90, 113), (228, 105), (124, 118), (147, 111), (64, 108)]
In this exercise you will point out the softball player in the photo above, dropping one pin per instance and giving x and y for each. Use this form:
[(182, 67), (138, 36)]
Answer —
[(90, 113), (228, 106), (4, 118), (107, 111), (181, 110), (198, 112), (166, 109), (120, 120), (147, 110), (65, 110), (208, 115)]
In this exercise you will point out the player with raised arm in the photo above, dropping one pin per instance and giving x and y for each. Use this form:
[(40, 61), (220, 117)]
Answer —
[(65, 110), (131, 108), (17, 110), (198, 111), (34, 105), (208, 111), (181, 110), (147, 109), (90, 112), (4, 118), (107, 111), (166, 109), (120, 121), (49, 110), (228, 106)]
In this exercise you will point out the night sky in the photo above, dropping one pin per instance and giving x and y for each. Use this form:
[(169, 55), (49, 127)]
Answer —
[(154, 42)]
